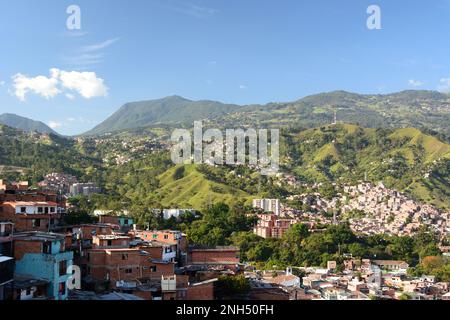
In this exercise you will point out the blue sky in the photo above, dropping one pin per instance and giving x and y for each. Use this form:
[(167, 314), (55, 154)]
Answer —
[(236, 51)]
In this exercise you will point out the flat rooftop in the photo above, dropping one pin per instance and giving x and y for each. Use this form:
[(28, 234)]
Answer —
[(31, 203), (38, 236)]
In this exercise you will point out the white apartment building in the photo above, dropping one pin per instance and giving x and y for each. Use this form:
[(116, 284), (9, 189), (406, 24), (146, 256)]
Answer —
[(267, 205)]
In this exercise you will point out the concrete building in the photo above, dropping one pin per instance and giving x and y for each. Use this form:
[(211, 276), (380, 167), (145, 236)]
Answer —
[(42, 255), (267, 205), (176, 213), (85, 189)]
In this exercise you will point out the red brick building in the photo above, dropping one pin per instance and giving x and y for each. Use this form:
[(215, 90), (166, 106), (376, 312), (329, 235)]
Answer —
[(272, 226), (119, 266), (169, 237), (30, 210), (31, 216), (218, 257)]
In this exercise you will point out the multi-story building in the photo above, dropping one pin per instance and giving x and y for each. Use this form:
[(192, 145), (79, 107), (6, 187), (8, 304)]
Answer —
[(176, 213), (30, 210), (160, 250), (43, 256), (271, 226), (119, 267), (31, 215), (85, 189), (170, 237), (267, 205)]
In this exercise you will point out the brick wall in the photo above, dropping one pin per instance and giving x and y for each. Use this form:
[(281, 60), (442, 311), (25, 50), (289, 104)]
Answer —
[(23, 247), (155, 252), (201, 292), (109, 219), (216, 256)]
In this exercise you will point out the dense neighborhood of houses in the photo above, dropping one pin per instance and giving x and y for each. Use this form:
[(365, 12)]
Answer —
[(41, 258)]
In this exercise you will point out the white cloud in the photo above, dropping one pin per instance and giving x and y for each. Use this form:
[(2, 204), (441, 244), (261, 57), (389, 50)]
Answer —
[(445, 85), (87, 84), (415, 83), (242, 87), (101, 45), (46, 87), (84, 60), (54, 124), (191, 9), (2, 83), (89, 55)]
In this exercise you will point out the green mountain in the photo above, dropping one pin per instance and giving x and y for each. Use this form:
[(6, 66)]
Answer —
[(418, 109), (24, 124), (425, 110), (405, 159), (171, 110), (36, 154)]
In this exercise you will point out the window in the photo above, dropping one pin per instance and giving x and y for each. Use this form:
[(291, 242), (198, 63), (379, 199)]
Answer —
[(28, 291), (23, 209), (62, 288), (128, 270), (36, 223), (62, 268), (46, 209), (109, 243), (166, 236), (153, 269), (155, 236), (125, 222), (52, 209), (124, 256), (47, 247), (40, 210)]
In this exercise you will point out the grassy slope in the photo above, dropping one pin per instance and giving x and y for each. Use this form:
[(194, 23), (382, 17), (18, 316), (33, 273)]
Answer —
[(194, 190)]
